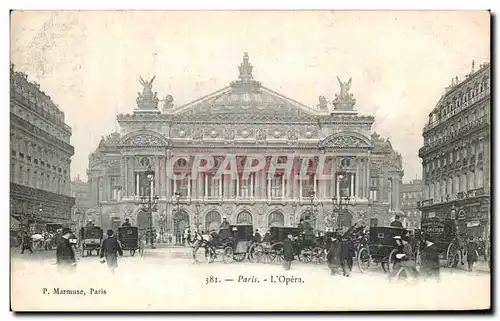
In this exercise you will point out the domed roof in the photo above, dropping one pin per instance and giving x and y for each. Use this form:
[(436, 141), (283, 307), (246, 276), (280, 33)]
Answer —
[(245, 99)]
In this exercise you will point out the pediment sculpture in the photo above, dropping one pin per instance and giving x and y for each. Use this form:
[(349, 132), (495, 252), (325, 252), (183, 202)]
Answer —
[(345, 141), (144, 140)]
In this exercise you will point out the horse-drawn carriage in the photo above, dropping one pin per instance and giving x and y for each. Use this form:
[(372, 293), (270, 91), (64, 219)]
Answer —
[(446, 236), (381, 248), (306, 247), (129, 239), (90, 240), (233, 243)]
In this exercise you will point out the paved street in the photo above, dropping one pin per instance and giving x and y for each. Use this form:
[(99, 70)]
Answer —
[(163, 278)]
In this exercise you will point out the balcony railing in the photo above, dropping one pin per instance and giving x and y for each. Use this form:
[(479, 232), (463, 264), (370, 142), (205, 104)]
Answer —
[(460, 132), (457, 110)]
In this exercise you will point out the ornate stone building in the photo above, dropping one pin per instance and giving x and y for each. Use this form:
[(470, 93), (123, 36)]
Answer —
[(411, 196), (241, 119), (40, 155), (80, 191), (456, 153)]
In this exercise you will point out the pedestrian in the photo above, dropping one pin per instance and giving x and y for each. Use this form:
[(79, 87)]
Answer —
[(257, 238), (267, 237), (110, 249), (345, 252), (471, 248), (333, 256), (288, 253), (65, 255), (429, 255), (26, 243), (481, 247)]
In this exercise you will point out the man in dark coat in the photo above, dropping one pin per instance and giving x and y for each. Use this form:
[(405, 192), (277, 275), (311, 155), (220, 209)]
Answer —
[(471, 248), (26, 243), (110, 249), (257, 237), (126, 223), (65, 255), (90, 223), (396, 222), (224, 225), (348, 253), (267, 237), (333, 256), (288, 252), (429, 258)]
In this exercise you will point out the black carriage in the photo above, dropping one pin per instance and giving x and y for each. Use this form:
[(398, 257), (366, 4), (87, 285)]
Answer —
[(381, 248), (446, 236), (129, 239), (90, 240), (233, 243), (305, 246)]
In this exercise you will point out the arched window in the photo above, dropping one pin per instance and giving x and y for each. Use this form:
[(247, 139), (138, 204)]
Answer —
[(244, 218), (276, 218), (212, 221)]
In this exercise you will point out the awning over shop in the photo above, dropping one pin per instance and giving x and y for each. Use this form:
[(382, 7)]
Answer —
[(473, 223), (14, 223)]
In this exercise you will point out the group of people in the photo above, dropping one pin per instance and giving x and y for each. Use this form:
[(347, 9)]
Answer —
[(110, 249)]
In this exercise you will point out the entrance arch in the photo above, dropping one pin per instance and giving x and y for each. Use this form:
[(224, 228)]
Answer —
[(244, 217), (181, 222), (212, 221), (276, 218), (346, 219)]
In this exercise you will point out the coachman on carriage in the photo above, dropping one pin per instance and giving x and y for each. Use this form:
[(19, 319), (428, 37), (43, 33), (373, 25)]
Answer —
[(233, 242)]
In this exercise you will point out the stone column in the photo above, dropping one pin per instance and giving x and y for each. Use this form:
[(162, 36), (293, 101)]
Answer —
[(358, 179), (131, 176), (167, 182)]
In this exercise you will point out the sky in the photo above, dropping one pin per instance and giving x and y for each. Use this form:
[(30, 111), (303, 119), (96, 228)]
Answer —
[(89, 62)]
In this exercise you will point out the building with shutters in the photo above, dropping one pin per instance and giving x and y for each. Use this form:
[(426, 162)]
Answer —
[(410, 197), (241, 119), (456, 156), (40, 157)]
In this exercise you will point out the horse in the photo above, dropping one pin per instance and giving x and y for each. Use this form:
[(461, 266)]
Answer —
[(209, 242)]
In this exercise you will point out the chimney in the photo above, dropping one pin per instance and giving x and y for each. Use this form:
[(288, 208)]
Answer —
[(473, 64)]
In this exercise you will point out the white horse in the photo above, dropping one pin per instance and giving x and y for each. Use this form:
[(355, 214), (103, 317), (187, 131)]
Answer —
[(202, 241)]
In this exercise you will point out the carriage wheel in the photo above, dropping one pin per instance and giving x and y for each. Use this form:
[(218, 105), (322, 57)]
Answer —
[(364, 260), (228, 254), (252, 252), (132, 252), (238, 257), (318, 255), (306, 256), (264, 254), (276, 253), (452, 256), (391, 260)]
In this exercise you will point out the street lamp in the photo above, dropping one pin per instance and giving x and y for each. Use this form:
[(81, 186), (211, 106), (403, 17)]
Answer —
[(198, 223), (149, 205), (312, 218), (162, 227), (176, 218), (341, 205)]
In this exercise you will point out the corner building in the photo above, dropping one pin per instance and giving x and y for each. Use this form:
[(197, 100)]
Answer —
[(40, 156), (456, 155), (241, 119)]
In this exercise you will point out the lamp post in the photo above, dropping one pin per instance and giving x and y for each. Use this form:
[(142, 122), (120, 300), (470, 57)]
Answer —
[(312, 218), (198, 223), (149, 205), (162, 227), (176, 218), (341, 204)]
